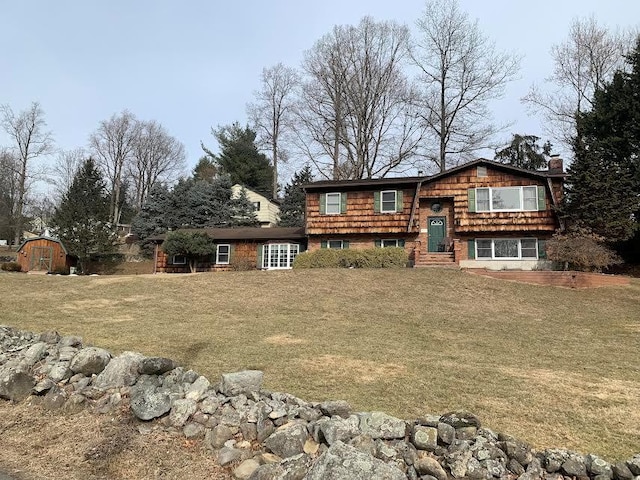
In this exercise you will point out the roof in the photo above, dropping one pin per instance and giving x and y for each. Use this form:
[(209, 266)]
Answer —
[(395, 181), (43, 237), (275, 201), (245, 233)]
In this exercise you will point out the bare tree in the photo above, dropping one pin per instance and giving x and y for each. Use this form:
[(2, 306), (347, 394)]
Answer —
[(31, 140), (356, 117), (461, 72), (271, 113), (156, 157), (113, 144), (9, 168), (584, 62), (64, 170)]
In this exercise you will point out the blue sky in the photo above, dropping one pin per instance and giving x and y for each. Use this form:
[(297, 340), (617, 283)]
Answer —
[(194, 64)]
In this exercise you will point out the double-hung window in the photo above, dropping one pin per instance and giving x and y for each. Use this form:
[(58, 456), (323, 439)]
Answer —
[(333, 203), (507, 199), (223, 253), (336, 244), (179, 260), (388, 201), (506, 248)]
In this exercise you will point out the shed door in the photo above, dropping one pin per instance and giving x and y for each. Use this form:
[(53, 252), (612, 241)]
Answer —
[(41, 258), (436, 231)]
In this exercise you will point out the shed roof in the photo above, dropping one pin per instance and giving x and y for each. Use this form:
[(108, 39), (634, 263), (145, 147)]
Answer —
[(42, 237)]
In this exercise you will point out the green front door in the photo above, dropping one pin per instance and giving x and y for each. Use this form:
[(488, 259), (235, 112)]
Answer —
[(436, 229)]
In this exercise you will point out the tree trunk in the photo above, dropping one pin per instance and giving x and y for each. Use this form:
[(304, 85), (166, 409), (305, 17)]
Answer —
[(275, 170)]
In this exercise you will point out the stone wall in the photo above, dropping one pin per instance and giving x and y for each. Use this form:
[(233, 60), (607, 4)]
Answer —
[(262, 435), (569, 279)]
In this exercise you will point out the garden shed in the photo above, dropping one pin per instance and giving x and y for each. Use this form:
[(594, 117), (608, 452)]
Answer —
[(44, 254)]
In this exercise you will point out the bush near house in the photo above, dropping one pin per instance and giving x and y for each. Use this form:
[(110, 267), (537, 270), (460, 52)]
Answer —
[(581, 250), (361, 258), (11, 267)]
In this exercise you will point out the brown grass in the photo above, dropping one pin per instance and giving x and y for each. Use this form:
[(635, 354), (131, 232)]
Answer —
[(554, 366)]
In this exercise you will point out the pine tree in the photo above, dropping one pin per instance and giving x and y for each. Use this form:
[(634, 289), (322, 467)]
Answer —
[(193, 245), (81, 221), (293, 203), (244, 214), (524, 152), (152, 218), (604, 185)]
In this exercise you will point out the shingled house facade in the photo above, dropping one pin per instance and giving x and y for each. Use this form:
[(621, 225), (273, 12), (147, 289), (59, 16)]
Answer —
[(482, 214)]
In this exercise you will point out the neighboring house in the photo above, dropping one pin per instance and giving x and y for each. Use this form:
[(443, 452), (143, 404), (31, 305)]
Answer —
[(44, 254), (479, 215), (267, 210), (239, 249)]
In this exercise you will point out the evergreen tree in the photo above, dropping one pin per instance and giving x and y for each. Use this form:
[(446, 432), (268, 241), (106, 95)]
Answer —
[(240, 159), (152, 218), (524, 152), (293, 203), (604, 184), (244, 214), (193, 245), (206, 169), (81, 220)]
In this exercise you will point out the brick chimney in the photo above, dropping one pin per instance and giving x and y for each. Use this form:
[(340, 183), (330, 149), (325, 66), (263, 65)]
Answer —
[(555, 164)]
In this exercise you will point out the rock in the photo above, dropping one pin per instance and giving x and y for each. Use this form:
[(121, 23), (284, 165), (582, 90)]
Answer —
[(121, 371), (430, 466), (181, 411), (338, 429), (54, 399), (193, 430), (209, 405), (458, 461), (634, 464), (621, 471), (597, 466), (365, 444), (460, 419), (310, 446), (381, 425), (15, 385), (428, 420), (343, 462), (51, 337), (245, 382), (156, 366), (249, 431), (70, 341), (287, 441), (148, 402), (245, 469), (333, 408), (425, 438), (59, 372), (44, 385), (217, 437), (197, 389), (35, 353), (466, 433), (264, 428), (90, 360), (228, 455), (446, 433), (575, 466)]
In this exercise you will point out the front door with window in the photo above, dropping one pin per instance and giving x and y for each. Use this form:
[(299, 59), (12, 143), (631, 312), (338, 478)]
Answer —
[(436, 229), (41, 258)]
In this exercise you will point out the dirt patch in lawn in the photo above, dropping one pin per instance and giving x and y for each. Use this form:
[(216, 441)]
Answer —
[(284, 339), (351, 369), (38, 444)]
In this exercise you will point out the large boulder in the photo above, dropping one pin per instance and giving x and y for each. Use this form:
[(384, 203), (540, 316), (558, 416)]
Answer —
[(35, 353), (147, 400), (156, 366), (90, 360), (287, 441), (381, 425), (244, 382), (332, 408), (122, 371), (343, 462)]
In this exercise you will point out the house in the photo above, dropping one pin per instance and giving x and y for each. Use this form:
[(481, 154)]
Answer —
[(44, 254), (239, 249), (482, 214), (267, 210)]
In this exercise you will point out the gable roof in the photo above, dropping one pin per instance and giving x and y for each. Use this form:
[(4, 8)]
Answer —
[(245, 233), (399, 181), (43, 237), (272, 200)]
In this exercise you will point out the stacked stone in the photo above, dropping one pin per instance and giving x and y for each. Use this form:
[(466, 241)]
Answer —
[(262, 435)]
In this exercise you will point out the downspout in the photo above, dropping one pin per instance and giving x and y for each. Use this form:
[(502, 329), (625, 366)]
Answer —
[(155, 259), (554, 201), (414, 205)]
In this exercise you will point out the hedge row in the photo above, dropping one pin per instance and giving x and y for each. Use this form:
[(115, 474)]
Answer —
[(353, 258), (11, 267)]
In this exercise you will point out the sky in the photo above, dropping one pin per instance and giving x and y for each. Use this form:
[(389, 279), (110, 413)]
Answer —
[(193, 65)]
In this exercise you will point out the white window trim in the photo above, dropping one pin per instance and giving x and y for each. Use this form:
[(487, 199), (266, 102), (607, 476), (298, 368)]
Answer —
[(521, 209), (228, 254), (326, 205), (395, 201), (266, 250), (382, 245), (493, 249), (341, 247), (173, 260)]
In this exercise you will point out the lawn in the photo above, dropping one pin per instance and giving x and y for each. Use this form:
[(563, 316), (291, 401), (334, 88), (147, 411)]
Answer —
[(553, 366)]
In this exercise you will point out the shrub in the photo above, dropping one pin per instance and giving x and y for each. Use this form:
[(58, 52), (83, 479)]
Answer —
[(242, 264), (60, 271), (581, 250), (11, 267), (353, 258)]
